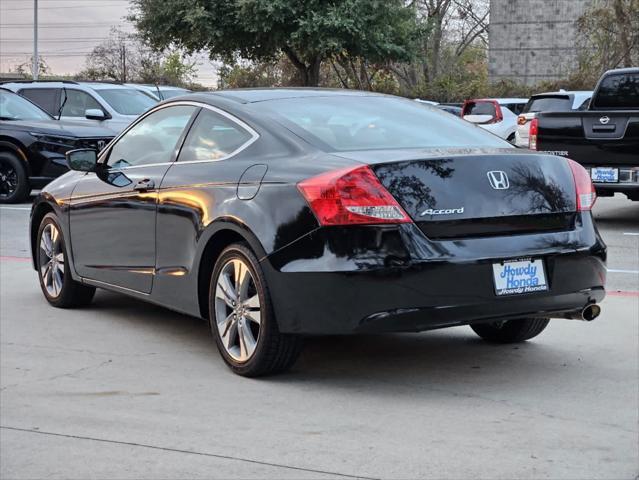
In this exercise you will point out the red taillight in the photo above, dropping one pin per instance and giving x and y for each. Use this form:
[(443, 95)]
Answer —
[(532, 134), (351, 196), (586, 194)]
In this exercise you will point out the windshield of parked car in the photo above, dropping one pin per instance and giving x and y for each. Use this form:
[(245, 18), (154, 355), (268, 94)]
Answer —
[(127, 101), (345, 122), (549, 104), (14, 107)]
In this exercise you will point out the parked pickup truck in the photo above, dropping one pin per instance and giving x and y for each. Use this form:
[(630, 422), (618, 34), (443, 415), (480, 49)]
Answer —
[(604, 138)]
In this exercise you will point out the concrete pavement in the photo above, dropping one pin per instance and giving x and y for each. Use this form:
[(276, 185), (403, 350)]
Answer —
[(124, 389)]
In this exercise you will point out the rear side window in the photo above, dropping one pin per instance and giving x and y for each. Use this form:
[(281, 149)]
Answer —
[(14, 107), (77, 103), (48, 99), (618, 91), (213, 137), (559, 103), (516, 108)]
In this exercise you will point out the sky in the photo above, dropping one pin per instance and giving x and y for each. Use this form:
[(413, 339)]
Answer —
[(68, 30)]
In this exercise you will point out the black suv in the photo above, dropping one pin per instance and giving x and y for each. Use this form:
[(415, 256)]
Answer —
[(33, 144)]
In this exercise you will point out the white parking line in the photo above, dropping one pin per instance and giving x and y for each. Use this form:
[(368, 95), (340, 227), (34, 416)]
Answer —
[(15, 208), (614, 270), (634, 234)]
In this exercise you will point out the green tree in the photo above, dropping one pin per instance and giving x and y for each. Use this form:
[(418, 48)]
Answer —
[(124, 57), (116, 58), (608, 37), (308, 32)]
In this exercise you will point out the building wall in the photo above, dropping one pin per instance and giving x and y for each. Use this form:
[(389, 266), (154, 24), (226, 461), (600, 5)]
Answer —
[(532, 40)]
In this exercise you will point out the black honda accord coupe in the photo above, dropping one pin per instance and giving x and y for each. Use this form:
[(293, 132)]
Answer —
[(280, 213)]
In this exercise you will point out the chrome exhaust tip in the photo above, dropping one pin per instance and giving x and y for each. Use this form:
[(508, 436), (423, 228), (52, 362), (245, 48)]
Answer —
[(587, 314), (590, 312)]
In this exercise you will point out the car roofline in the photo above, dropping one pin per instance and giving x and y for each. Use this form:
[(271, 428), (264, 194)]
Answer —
[(235, 94)]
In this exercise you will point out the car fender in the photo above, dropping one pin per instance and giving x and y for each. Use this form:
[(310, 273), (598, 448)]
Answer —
[(235, 225)]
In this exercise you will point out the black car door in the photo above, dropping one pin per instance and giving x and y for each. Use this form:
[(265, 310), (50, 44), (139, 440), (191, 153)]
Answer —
[(113, 212)]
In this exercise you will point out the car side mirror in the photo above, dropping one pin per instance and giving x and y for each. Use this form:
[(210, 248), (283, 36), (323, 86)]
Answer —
[(94, 114), (82, 160)]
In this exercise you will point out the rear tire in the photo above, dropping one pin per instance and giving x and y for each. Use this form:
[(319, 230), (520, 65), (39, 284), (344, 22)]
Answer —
[(51, 256), (510, 331), (242, 319), (14, 181)]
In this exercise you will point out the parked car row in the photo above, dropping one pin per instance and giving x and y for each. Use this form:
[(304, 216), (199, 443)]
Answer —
[(609, 150), (509, 118), (40, 121), (561, 101), (599, 129)]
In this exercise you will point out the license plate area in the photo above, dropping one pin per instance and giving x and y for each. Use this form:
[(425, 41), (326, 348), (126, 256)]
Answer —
[(516, 277), (604, 175)]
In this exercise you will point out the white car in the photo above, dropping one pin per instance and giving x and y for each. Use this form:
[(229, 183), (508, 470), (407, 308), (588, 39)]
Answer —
[(497, 115), (159, 92), (109, 105), (561, 101)]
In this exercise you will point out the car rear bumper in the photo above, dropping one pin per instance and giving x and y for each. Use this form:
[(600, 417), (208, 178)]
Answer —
[(609, 189), (350, 287), (628, 183)]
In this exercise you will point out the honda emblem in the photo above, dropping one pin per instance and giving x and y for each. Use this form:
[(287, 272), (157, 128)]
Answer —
[(498, 179)]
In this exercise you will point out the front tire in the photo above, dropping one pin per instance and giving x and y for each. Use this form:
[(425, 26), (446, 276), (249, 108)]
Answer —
[(56, 283), (242, 320), (510, 331), (14, 181)]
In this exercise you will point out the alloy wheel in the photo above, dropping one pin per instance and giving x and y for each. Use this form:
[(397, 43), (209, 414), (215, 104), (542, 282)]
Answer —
[(238, 312), (8, 180), (52, 260)]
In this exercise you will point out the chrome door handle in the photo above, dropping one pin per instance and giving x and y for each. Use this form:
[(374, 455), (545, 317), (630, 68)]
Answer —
[(144, 185)]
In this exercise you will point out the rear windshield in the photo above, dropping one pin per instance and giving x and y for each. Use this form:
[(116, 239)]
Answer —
[(127, 101), (618, 91), (561, 103), (344, 122), (480, 108)]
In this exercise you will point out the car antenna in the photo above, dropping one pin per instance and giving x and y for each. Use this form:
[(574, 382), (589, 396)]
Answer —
[(157, 88), (64, 89)]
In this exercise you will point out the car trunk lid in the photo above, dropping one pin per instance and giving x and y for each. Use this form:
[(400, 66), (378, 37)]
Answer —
[(479, 194)]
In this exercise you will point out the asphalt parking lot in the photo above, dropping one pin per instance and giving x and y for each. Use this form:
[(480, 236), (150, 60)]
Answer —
[(124, 389)]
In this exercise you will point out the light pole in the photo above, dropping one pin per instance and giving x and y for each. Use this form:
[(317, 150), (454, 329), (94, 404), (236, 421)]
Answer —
[(36, 62)]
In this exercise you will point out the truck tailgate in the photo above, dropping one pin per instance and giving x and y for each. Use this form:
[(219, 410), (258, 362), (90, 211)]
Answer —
[(591, 138)]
